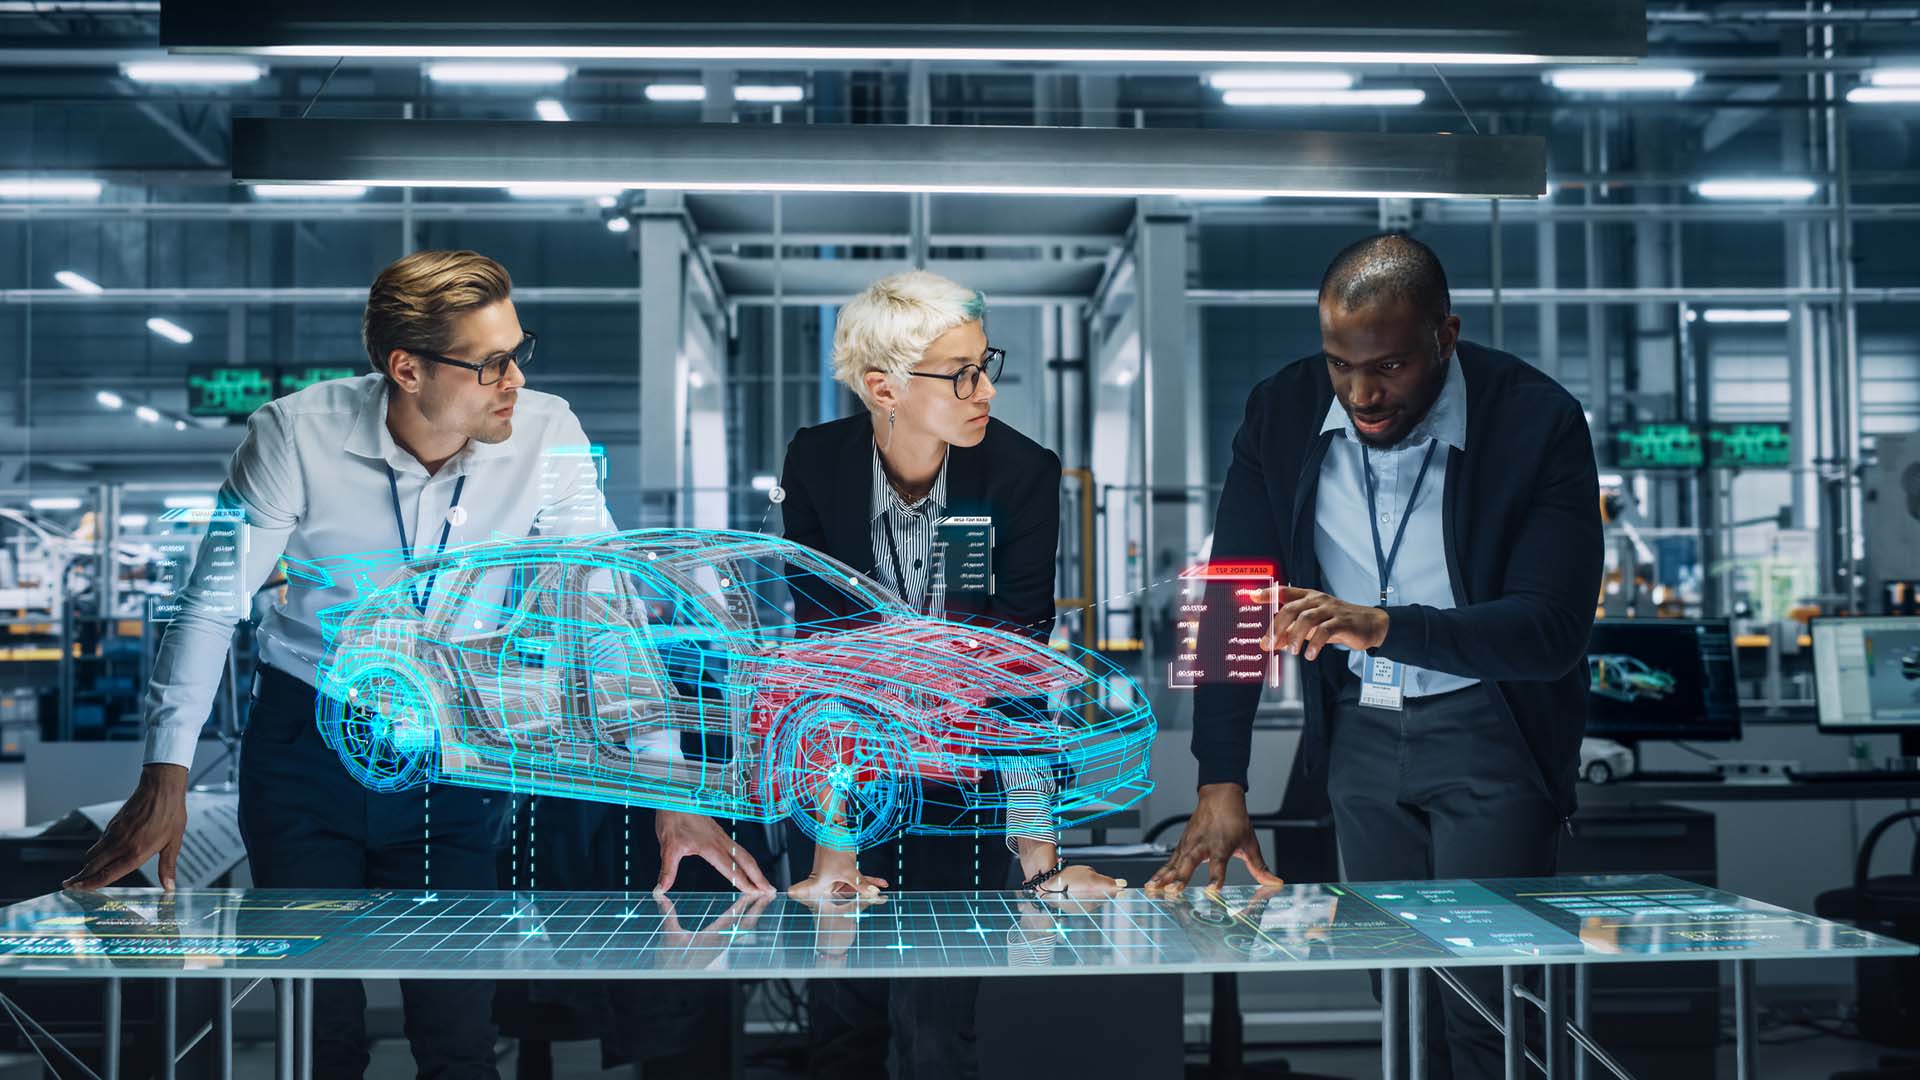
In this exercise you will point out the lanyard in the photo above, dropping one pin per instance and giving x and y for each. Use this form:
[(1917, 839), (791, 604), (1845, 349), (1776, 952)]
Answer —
[(1384, 560), (400, 522), (899, 576)]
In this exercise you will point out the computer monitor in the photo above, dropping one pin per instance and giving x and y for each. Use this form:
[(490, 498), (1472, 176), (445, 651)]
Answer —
[(1866, 674), (1662, 679)]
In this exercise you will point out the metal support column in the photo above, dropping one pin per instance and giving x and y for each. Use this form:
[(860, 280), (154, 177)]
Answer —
[(304, 1026), (1582, 1015), (1746, 1037), (169, 1026), (1558, 1048), (663, 387), (1417, 1024), (1390, 1024), (223, 1027), (110, 1045), (283, 1040), (1511, 1014)]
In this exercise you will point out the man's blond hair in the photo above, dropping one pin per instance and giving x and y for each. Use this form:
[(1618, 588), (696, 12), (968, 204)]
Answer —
[(414, 301), (888, 327)]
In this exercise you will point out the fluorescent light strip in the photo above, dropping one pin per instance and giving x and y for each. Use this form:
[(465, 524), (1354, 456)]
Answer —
[(1756, 189), (177, 72), (619, 224), (957, 189), (1903, 76), (1747, 315), (170, 330), (51, 188), (563, 189), (308, 191), (133, 521), (55, 502), (501, 74), (147, 413), (1279, 80), (1619, 79), (1319, 98), (837, 52), (188, 502), (551, 110), (77, 282), (109, 400), (675, 92), (1884, 95), (769, 95)]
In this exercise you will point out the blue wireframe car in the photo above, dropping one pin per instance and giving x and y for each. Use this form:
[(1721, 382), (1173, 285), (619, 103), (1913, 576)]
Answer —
[(723, 673)]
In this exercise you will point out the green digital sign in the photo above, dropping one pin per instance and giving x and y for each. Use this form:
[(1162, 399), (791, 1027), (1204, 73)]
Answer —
[(1658, 446), (232, 390), (1749, 446), (235, 390), (299, 378)]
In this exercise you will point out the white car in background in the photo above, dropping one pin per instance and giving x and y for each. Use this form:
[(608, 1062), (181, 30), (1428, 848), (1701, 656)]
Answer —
[(1602, 760)]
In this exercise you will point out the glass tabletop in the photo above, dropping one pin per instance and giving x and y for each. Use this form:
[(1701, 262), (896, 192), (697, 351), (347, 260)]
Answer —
[(243, 933)]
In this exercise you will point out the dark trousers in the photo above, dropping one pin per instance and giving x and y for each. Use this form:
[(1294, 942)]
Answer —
[(307, 824), (1442, 789), (910, 1029)]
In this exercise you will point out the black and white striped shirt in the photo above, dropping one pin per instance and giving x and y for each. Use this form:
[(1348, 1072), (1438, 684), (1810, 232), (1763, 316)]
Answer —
[(904, 557)]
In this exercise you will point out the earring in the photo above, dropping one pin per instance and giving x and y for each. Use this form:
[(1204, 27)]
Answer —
[(890, 415)]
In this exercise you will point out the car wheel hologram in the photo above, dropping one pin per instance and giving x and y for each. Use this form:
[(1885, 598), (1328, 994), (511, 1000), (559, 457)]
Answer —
[(845, 780), (384, 723)]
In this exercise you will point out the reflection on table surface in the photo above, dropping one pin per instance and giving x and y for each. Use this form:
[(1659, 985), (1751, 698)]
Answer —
[(584, 934)]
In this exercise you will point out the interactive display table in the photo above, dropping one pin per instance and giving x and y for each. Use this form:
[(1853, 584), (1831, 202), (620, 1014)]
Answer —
[(1406, 929)]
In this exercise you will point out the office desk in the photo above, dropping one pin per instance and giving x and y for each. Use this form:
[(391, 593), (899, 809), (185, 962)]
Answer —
[(1411, 931), (1688, 791)]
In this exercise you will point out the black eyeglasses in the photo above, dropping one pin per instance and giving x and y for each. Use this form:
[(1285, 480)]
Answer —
[(493, 368), (967, 379)]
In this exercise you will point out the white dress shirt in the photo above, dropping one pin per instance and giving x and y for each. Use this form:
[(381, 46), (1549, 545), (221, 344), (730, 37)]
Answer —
[(311, 477), (1343, 540)]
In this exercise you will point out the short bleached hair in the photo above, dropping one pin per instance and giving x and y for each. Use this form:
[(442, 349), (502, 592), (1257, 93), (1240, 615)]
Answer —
[(888, 327)]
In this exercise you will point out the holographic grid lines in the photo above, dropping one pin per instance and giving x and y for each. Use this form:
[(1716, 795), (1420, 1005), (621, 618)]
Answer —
[(715, 672)]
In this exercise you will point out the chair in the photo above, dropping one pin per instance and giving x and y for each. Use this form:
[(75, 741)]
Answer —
[(1889, 989), (1304, 849)]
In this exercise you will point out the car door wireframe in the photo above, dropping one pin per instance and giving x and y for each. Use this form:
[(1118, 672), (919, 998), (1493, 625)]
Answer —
[(624, 717)]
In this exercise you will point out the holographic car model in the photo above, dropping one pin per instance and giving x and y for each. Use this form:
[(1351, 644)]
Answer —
[(724, 673)]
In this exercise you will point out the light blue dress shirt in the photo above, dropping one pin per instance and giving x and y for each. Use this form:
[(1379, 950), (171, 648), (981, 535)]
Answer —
[(1344, 544)]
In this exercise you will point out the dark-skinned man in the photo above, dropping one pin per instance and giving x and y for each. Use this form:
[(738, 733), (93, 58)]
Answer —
[(1434, 507)]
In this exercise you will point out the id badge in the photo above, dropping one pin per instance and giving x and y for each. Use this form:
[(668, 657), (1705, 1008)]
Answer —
[(1383, 685)]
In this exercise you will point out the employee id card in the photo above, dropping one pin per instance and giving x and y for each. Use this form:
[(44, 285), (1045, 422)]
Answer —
[(1383, 683)]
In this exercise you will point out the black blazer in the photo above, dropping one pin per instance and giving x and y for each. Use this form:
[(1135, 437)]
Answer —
[(828, 480), (1524, 554)]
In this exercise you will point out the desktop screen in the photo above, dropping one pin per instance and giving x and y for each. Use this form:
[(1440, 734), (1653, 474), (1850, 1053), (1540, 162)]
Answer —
[(1866, 673), (1662, 679)]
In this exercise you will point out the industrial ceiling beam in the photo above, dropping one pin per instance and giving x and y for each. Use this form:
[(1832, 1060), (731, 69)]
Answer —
[(879, 157), (1266, 31)]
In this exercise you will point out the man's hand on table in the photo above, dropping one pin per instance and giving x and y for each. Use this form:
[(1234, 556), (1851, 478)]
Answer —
[(682, 835), (1218, 830), (1309, 621), (153, 819)]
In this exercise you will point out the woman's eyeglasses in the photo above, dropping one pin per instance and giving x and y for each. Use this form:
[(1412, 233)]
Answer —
[(967, 379)]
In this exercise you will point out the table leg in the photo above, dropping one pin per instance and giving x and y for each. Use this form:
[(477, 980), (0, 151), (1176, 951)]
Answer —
[(169, 1026), (1417, 1024), (223, 1028), (1582, 1015), (1557, 1045), (283, 1041), (1514, 1017), (110, 1049), (305, 1028), (1745, 1021), (1390, 1022)]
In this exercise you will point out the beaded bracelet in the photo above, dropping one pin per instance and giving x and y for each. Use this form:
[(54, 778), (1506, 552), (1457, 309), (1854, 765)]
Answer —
[(1032, 884)]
